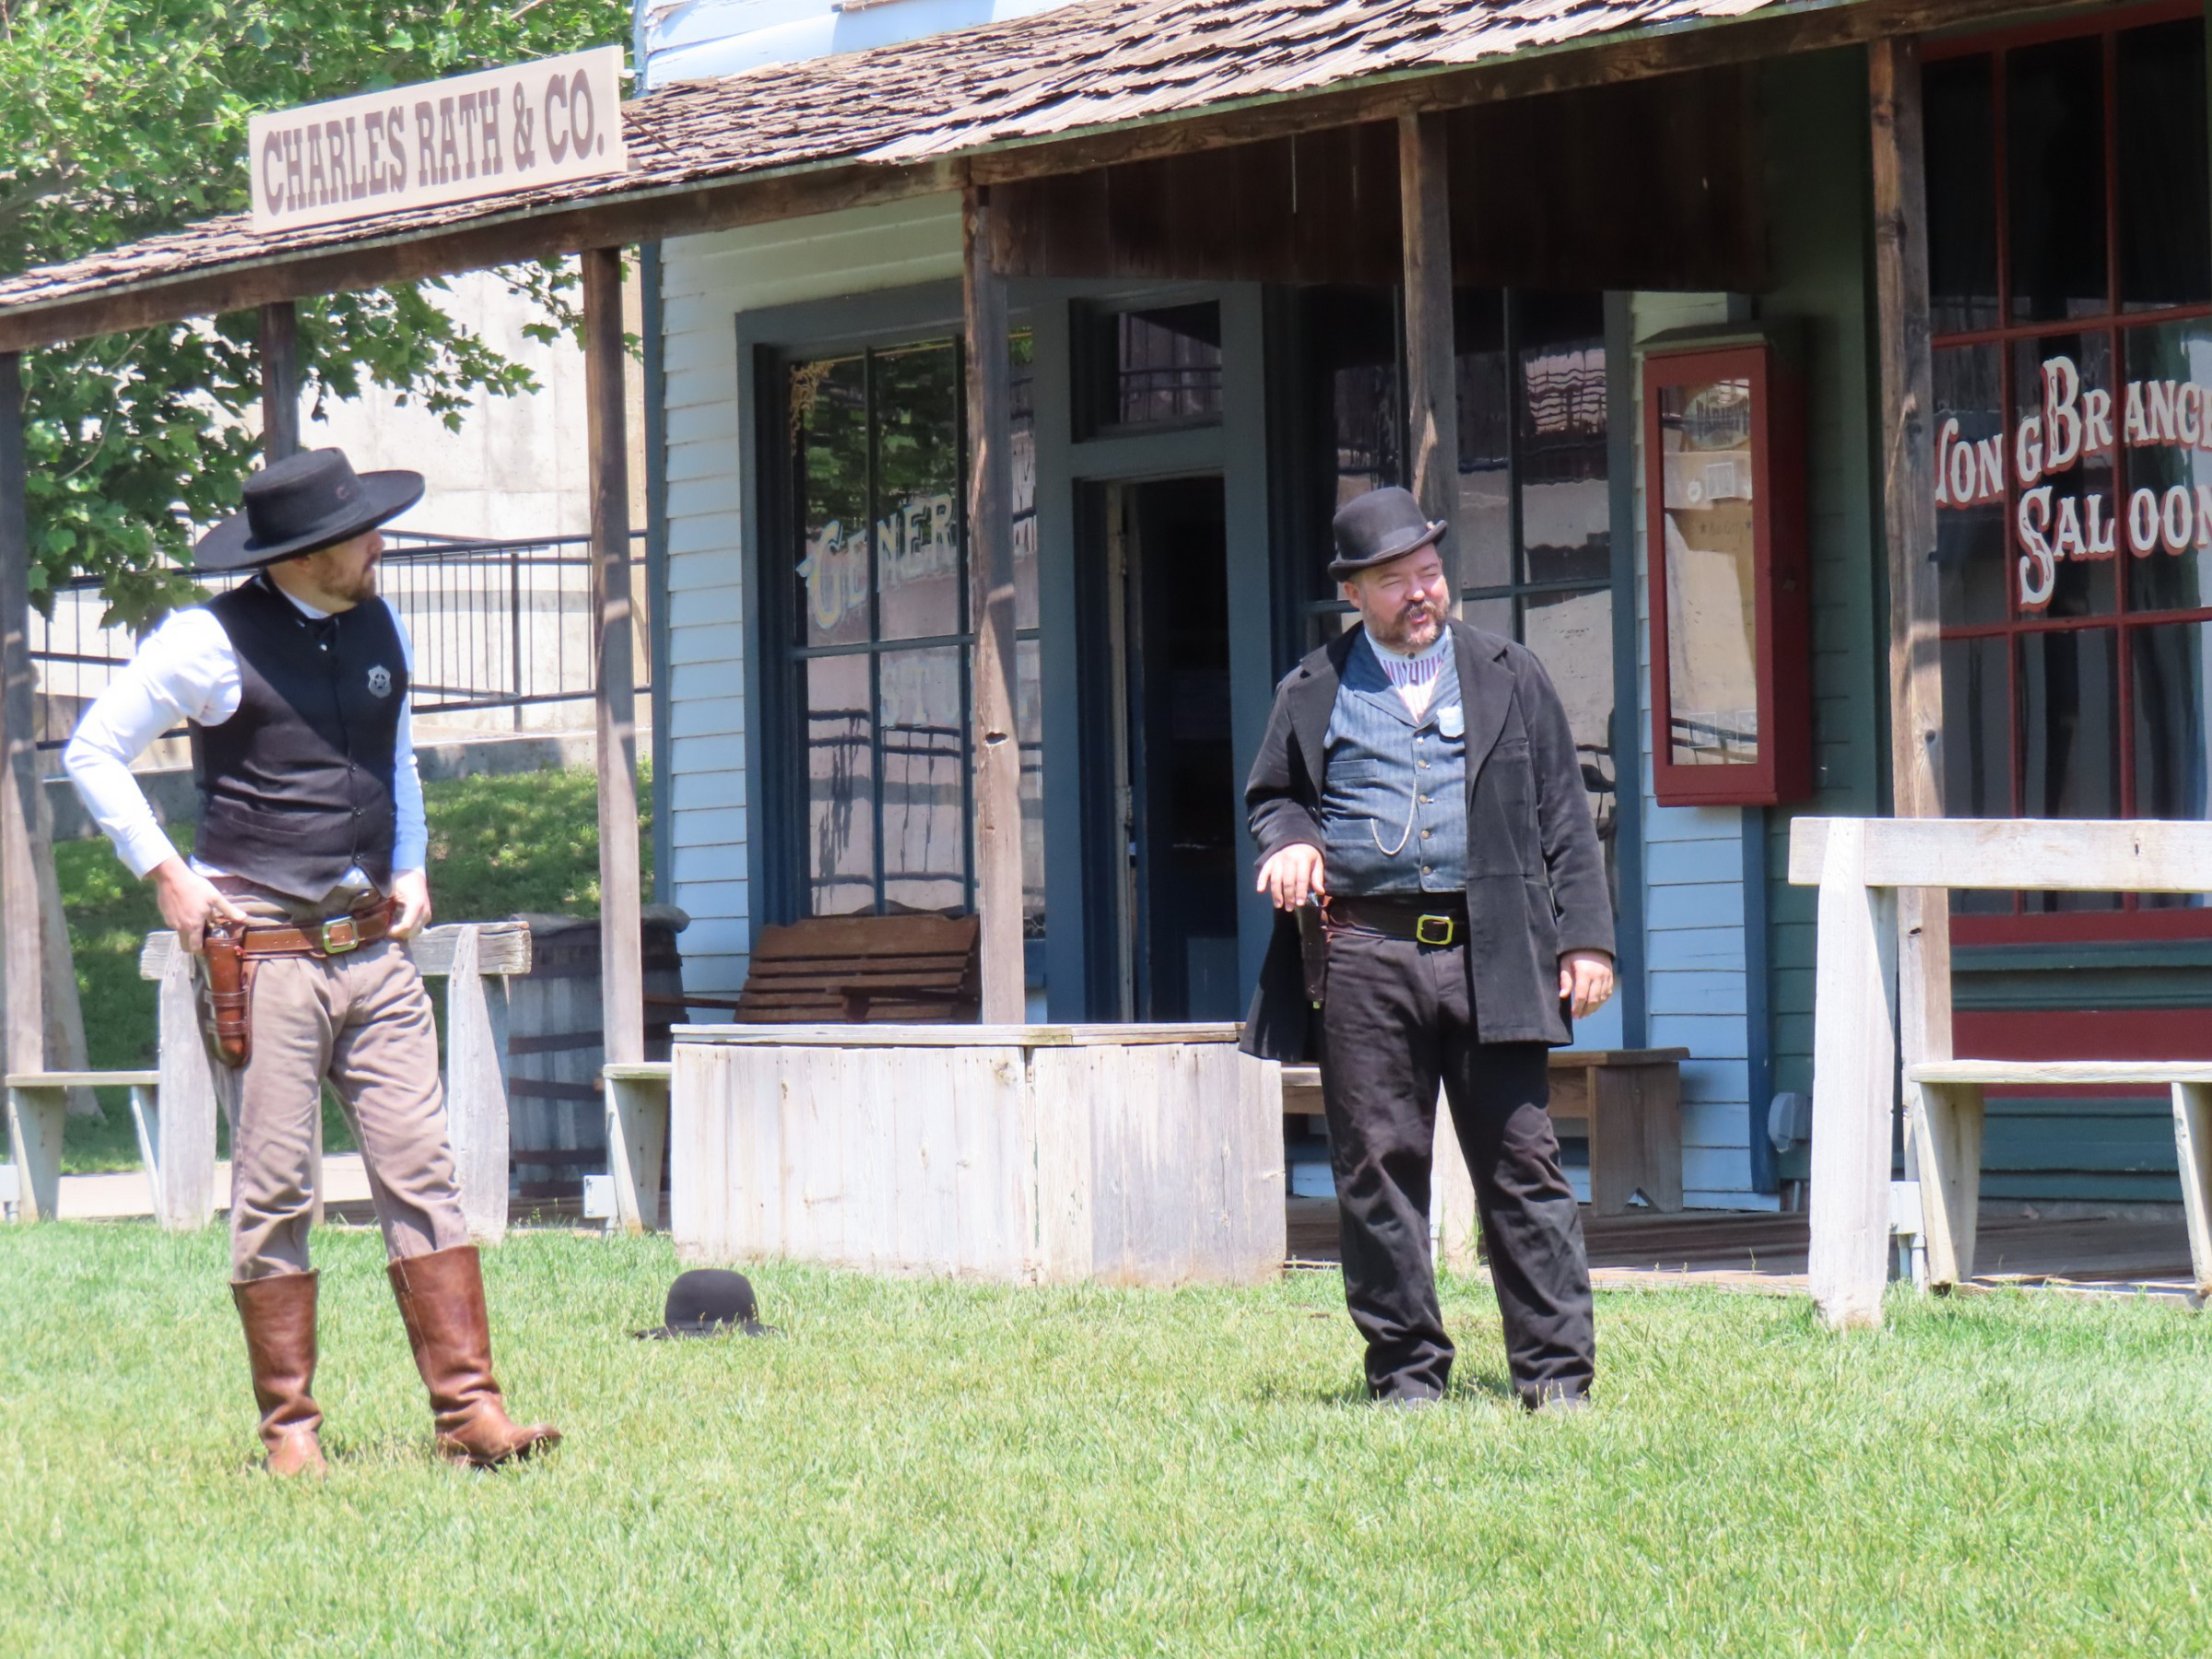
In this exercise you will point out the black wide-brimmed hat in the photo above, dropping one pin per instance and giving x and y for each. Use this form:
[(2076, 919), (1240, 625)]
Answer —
[(302, 504), (1377, 527), (707, 1301)]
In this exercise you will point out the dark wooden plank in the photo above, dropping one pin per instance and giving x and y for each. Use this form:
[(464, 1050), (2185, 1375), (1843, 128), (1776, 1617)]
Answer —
[(1432, 378), (621, 939), (1907, 429), (279, 346), (997, 833), (22, 1024)]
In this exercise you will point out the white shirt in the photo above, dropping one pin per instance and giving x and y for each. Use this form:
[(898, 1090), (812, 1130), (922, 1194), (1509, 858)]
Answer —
[(186, 670)]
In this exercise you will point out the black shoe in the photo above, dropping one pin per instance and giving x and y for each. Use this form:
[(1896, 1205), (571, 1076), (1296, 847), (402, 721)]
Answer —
[(1409, 1396), (1558, 1400)]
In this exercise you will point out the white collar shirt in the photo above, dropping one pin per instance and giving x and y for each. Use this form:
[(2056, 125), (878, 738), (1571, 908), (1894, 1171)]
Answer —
[(187, 669)]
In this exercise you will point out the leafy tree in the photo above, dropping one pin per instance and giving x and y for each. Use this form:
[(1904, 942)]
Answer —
[(120, 119)]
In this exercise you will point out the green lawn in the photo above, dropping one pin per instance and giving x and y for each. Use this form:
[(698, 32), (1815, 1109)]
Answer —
[(498, 846), (921, 1467)]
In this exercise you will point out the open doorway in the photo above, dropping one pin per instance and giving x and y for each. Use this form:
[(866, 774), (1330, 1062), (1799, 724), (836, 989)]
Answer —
[(1165, 802)]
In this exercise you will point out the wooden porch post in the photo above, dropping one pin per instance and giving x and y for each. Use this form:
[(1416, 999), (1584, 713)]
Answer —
[(279, 381), (621, 972), (1433, 413), (1908, 461), (991, 594), (22, 1024)]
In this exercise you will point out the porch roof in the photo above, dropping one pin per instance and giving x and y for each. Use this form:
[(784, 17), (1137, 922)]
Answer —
[(926, 114)]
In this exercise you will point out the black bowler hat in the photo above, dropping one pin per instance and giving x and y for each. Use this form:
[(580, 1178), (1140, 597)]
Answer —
[(707, 1301), (1377, 527), (302, 504)]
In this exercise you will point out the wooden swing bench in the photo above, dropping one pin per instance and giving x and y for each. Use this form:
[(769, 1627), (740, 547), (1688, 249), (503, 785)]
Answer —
[(1859, 864)]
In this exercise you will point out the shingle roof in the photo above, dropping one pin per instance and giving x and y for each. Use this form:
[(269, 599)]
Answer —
[(1088, 64)]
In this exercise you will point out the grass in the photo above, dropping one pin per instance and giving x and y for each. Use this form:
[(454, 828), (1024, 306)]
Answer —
[(925, 1467), (498, 846)]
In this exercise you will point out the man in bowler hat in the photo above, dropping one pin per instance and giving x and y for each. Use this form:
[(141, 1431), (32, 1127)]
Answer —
[(309, 873), (1425, 836)]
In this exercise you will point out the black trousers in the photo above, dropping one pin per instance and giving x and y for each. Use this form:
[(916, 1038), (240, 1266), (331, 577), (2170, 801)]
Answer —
[(1396, 1021)]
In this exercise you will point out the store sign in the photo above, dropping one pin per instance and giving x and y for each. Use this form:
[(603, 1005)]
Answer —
[(489, 133), (2074, 427)]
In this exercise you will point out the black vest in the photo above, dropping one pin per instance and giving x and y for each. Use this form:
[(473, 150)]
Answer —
[(297, 787)]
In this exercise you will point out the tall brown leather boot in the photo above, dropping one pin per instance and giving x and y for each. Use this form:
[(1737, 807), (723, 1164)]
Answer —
[(441, 1299), (279, 1317)]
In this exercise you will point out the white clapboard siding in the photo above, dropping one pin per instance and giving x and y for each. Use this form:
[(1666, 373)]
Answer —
[(705, 282), (1693, 898)]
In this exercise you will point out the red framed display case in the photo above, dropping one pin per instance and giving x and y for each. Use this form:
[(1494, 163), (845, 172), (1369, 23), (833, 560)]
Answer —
[(1730, 592)]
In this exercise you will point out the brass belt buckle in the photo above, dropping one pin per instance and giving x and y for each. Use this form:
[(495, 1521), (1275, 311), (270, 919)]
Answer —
[(1443, 930), (340, 935)]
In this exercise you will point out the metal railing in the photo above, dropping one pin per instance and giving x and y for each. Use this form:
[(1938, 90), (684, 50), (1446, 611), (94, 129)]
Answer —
[(494, 625)]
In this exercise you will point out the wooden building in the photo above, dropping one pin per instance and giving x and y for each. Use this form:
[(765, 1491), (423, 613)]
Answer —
[(1001, 384)]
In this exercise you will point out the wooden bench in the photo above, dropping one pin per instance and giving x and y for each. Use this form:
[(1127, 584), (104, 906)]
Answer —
[(1627, 1102), (921, 969), (918, 970), (637, 1139), (37, 1105), (1946, 1125), (1860, 865)]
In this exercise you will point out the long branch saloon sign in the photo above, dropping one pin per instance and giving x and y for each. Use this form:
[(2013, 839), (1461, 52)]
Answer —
[(2062, 449), (488, 133)]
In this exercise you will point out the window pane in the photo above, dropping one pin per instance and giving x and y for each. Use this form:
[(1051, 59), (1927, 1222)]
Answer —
[(1977, 745), (924, 774), (1712, 586), (2068, 531), (2069, 717), (1024, 451), (1969, 486), (2168, 525), (1029, 732), (1959, 121), (840, 803), (2054, 173), (828, 413), (917, 395), (1167, 364), (1566, 503), (2165, 234), (1493, 615), (2173, 717), (1572, 637), (1482, 529)]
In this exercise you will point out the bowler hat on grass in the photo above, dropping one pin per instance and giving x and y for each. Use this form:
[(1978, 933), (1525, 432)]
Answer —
[(1375, 528), (707, 1301), (300, 505)]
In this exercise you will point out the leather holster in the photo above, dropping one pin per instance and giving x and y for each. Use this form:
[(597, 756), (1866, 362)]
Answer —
[(1314, 951), (230, 990)]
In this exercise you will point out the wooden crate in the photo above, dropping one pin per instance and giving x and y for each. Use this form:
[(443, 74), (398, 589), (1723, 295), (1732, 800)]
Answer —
[(1129, 1155)]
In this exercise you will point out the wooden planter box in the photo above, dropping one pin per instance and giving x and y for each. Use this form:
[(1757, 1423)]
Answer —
[(1130, 1155)]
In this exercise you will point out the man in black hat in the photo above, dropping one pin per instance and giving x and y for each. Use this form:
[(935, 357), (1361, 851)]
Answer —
[(1423, 829), (309, 873)]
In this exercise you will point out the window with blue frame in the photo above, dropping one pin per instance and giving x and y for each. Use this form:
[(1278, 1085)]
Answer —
[(879, 633)]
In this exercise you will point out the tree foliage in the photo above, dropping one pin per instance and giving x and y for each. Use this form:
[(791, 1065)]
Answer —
[(120, 119)]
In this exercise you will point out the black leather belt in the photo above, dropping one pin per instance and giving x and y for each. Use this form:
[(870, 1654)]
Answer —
[(1437, 919)]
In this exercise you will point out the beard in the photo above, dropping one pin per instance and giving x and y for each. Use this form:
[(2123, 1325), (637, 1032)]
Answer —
[(1413, 626), (360, 588)]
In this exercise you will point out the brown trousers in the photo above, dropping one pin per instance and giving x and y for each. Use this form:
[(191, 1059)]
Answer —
[(362, 1021)]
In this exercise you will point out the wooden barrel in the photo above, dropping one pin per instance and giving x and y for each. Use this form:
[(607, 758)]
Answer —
[(557, 1112)]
